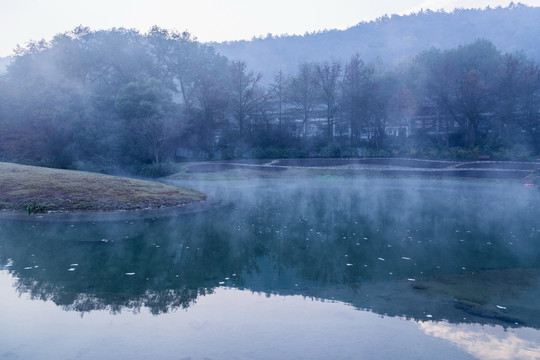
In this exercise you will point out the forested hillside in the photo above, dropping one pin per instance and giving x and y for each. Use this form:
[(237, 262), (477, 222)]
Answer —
[(4, 63), (393, 38)]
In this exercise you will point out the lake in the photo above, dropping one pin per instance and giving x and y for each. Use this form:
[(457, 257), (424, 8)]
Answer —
[(321, 268)]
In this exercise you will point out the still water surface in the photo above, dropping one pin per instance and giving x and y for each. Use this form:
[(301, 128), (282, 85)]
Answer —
[(325, 268)]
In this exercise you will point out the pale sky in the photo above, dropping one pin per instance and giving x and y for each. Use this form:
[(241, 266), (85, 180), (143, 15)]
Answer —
[(207, 20)]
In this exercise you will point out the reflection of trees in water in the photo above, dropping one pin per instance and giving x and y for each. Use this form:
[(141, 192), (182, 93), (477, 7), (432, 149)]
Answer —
[(329, 243), (158, 302)]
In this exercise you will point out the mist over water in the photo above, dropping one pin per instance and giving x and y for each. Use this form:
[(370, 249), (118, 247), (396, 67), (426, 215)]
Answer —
[(279, 235), (437, 252)]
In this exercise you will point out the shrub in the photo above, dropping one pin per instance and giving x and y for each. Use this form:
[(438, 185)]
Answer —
[(34, 208), (157, 170)]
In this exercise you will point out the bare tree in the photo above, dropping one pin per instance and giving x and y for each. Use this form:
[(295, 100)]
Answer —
[(277, 91), (328, 77), (246, 95), (303, 92), (355, 88)]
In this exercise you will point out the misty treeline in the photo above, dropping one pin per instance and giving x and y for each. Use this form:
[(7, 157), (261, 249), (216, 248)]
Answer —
[(118, 99)]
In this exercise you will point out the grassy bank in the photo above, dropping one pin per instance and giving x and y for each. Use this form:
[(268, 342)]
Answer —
[(37, 189)]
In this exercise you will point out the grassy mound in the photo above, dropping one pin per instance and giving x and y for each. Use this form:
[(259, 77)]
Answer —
[(36, 189)]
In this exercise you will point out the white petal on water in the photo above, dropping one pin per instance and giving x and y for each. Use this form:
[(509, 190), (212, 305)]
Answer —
[(501, 307), (348, 264), (429, 315), (411, 279), (130, 274), (380, 259), (28, 267), (405, 258), (74, 265), (71, 269), (221, 282), (104, 240)]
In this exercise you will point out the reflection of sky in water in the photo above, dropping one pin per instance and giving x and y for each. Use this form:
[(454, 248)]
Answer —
[(488, 342), (239, 324)]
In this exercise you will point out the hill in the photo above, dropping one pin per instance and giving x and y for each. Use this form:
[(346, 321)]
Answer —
[(4, 62), (390, 39)]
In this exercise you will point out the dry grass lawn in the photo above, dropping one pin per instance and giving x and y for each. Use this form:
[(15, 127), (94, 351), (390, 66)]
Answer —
[(37, 189)]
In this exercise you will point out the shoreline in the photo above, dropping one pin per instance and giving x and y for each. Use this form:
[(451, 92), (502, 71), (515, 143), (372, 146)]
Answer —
[(39, 190)]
